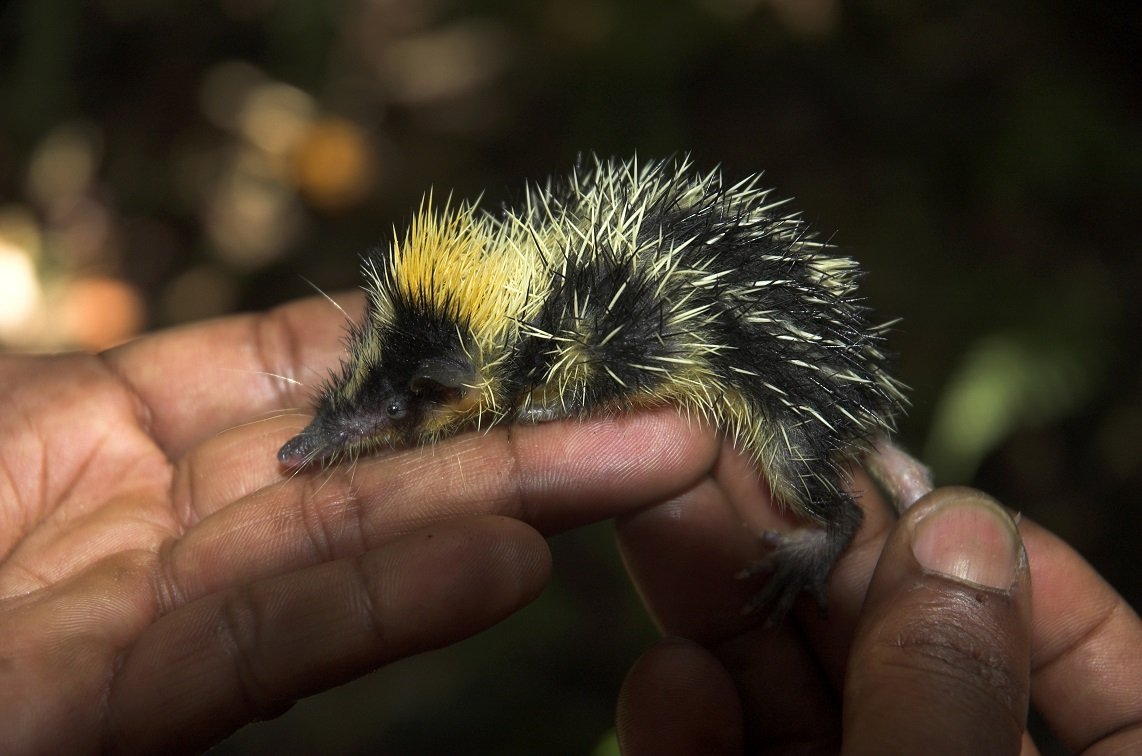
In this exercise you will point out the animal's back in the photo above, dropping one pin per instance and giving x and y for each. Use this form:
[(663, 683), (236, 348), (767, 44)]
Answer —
[(668, 286)]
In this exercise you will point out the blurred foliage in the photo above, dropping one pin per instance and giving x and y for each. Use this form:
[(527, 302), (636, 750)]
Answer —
[(165, 162)]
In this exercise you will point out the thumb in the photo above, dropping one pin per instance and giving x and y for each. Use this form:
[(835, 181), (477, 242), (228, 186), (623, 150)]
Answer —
[(941, 658)]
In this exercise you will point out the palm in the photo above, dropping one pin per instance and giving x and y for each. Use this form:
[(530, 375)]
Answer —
[(161, 582), (100, 506), (82, 479)]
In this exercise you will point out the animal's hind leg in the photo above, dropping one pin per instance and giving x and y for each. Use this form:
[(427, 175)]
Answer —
[(801, 560)]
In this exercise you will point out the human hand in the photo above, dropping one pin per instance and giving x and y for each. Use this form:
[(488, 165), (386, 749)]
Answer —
[(162, 582), (930, 663)]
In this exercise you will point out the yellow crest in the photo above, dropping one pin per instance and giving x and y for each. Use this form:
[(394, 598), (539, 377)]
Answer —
[(462, 265)]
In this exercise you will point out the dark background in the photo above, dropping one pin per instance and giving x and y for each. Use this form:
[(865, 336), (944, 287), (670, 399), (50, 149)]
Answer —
[(165, 162)]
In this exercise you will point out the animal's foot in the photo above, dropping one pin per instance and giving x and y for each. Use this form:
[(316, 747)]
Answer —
[(799, 561)]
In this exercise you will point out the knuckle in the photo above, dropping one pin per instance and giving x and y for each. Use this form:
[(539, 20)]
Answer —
[(516, 489), (275, 341), (367, 605), (330, 514), (968, 656), (238, 630)]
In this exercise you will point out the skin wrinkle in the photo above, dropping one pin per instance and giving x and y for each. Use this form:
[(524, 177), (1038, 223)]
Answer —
[(312, 513), (1082, 638), (955, 677), (182, 493), (166, 590), (1081, 641), (367, 603), (236, 626), (70, 486), (138, 411), (1129, 744), (433, 516), (34, 581), (17, 532), (144, 422), (16, 414), (38, 515), (932, 638), (353, 509), (412, 468), (313, 499), (148, 520), (958, 664), (522, 508), (59, 518), (139, 562), (144, 415), (108, 739), (317, 503), (276, 322), (319, 513)]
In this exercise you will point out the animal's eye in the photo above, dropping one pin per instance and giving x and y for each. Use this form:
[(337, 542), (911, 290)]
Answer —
[(396, 409)]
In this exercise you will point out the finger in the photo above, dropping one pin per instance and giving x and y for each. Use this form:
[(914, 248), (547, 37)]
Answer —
[(59, 644), (202, 671), (231, 465), (789, 676), (1087, 662), (678, 699), (243, 460), (941, 658), (552, 476), (683, 557), (830, 633), (201, 379)]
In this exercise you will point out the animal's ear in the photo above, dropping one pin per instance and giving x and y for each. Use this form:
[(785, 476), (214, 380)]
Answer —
[(442, 377)]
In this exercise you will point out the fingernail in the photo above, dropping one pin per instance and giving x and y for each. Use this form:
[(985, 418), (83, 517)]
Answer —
[(969, 539)]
